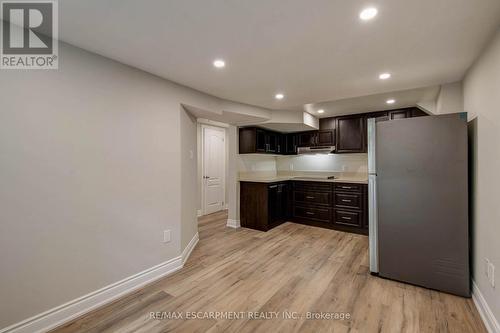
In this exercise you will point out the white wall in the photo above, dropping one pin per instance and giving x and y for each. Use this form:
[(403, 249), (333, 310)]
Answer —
[(482, 101), (89, 160), (189, 181), (323, 162), (94, 164), (233, 185), (450, 98)]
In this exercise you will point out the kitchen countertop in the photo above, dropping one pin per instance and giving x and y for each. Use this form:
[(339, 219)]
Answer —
[(275, 179)]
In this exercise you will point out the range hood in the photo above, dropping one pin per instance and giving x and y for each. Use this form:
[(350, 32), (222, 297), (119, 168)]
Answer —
[(316, 150)]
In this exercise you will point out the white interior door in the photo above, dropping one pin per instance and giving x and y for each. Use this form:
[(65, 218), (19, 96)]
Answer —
[(214, 159)]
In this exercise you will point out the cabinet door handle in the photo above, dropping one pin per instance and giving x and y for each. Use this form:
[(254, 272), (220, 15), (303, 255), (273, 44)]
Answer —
[(309, 197), (346, 218), (346, 187), (345, 200), (309, 213)]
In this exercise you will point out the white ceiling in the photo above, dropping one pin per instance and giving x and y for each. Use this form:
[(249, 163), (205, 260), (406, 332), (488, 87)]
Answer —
[(314, 50), (377, 102)]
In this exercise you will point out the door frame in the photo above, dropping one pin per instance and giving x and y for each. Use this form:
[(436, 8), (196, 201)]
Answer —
[(203, 127)]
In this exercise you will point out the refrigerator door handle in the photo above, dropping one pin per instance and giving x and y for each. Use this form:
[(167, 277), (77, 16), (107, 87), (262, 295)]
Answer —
[(372, 132), (373, 223)]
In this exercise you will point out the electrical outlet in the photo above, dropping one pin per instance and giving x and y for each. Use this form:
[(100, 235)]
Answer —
[(344, 168), (491, 274), (489, 271), (487, 267), (166, 236)]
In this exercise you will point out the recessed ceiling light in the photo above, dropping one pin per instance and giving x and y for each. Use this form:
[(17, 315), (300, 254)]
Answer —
[(219, 63), (384, 76), (321, 111), (279, 96), (390, 101), (368, 13)]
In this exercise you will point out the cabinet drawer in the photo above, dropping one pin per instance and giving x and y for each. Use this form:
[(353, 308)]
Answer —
[(312, 186), (313, 198), (350, 200), (349, 218), (318, 214), (348, 187)]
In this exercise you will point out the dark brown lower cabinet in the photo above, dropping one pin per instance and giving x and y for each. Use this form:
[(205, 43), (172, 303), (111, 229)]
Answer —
[(348, 218), (278, 203), (350, 207), (320, 214), (264, 205), (312, 203), (340, 206)]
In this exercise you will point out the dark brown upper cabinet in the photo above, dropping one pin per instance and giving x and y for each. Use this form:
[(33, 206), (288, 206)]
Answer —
[(399, 114), (289, 144), (416, 112), (257, 140), (326, 133), (327, 123), (351, 134), (260, 141), (273, 144), (249, 142), (406, 113), (379, 116), (316, 138), (325, 138), (346, 133), (306, 139)]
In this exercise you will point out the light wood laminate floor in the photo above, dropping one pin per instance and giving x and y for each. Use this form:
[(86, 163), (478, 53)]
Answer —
[(291, 270)]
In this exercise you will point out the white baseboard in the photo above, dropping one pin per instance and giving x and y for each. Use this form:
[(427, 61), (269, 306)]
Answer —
[(233, 223), (71, 310), (189, 248), (484, 310)]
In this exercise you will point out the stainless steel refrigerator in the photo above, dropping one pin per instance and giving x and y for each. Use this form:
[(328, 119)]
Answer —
[(418, 201)]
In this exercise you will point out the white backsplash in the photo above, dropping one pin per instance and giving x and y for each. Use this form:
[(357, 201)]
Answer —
[(267, 165), (256, 163), (324, 162)]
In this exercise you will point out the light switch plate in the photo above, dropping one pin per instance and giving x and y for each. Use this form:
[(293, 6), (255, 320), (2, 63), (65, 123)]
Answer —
[(166, 236)]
